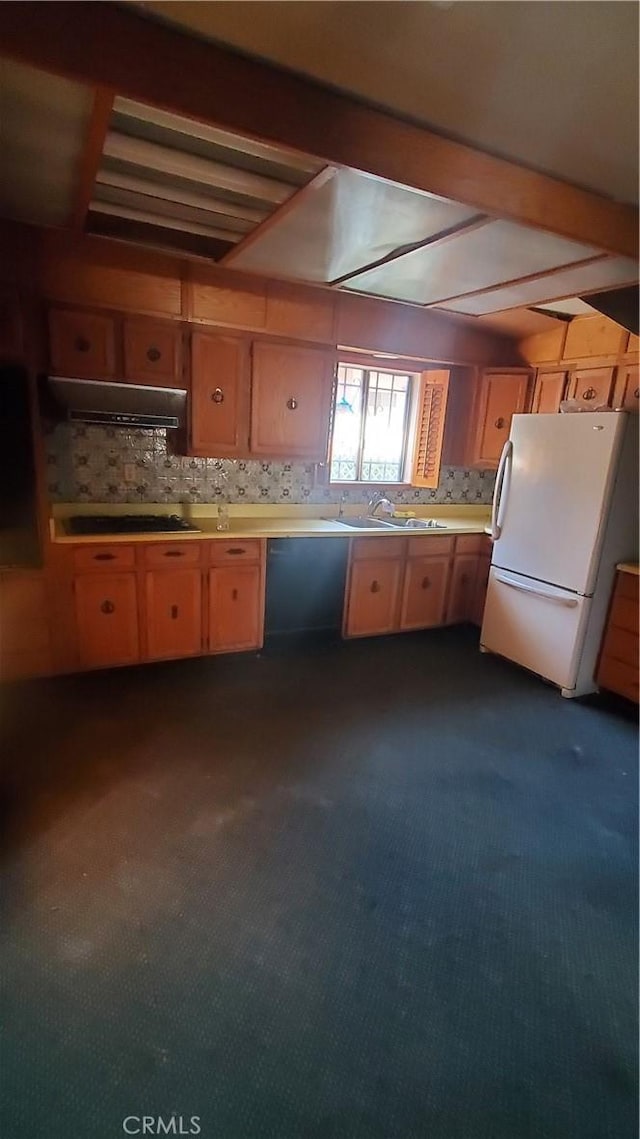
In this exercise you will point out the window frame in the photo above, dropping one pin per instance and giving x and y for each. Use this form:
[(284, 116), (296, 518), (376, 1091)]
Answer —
[(413, 371)]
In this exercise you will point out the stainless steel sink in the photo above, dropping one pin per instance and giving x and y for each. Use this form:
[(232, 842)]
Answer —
[(416, 523), (368, 523), (361, 523)]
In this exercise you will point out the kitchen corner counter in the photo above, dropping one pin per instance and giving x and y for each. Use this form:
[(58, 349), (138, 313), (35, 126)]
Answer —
[(629, 567), (290, 522)]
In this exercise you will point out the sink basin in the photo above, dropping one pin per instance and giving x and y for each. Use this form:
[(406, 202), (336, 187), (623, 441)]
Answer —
[(361, 523), (416, 523)]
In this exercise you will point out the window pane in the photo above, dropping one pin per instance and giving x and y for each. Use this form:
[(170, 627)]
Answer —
[(385, 427), (347, 424)]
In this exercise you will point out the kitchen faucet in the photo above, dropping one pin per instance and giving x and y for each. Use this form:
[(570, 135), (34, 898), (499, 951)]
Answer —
[(380, 500)]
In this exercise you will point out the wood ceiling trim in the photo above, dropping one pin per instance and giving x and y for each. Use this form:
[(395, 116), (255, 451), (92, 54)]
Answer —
[(519, 280), (92, 153), (278, 214), (478, 221), (153, 63)]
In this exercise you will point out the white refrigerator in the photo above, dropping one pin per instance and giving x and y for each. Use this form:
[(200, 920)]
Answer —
[(565, 511)]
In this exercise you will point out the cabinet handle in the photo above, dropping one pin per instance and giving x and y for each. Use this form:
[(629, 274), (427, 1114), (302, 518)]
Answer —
[(375, 586), (426, 582), (108, 607), (292, 404), (81, 344), (174, 611), (218, 396), (153, 354), (173, 554), (104, 557), (236, 550), (234, 594), (499, 421), (636, 394), (589, 393)]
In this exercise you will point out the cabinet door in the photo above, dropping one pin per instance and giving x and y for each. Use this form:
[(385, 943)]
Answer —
[(82, 344), (173, 613), (374, 586), (462, 592), (424, 592), (219, 395), (236, 608), (291, 401), (480, 588), (503, 395), (549, 392), (107, 619), (25, 648), (627, 391), (593, 385), (153, 353)]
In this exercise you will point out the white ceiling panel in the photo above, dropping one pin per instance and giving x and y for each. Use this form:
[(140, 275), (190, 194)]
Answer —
[(605, 274), (342, 222), (491, 255)]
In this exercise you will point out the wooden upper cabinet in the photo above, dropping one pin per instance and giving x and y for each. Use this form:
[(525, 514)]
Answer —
[(424, 592), (236, 608), (593, 385), (291, 401), (544, 347), (153, 353), (373, 593), (82, 344), (627, 392), (303, 314), (633, 343), (213, 299), (107, 619), (593, 336), (430, 423), (548, 392), (173, 600), (502, 395), (220, 381)]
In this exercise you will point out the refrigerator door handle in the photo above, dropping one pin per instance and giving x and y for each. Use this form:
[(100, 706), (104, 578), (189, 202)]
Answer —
[(524, 587), (496, 513)]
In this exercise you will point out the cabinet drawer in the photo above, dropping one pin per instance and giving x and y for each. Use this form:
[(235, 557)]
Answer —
[(377, 548), (103, 558), (618, 677), (235, 551), (429, 546), (624, 614), (170, 555), (470, 544), (621, 645)]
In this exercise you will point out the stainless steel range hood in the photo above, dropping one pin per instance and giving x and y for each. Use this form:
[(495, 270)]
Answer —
[(118, 404)]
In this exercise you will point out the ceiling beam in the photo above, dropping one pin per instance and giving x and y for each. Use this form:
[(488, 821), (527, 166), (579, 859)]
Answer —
[(92, 153), (144, 60)]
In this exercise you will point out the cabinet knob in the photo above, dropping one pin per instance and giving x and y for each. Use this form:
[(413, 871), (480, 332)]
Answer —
[(235, 550), (153, 354), (636, 394), (292, 403), (375, 586), (234, 594), (426, 582), (218, 396), (108, 607), (81, 344), (589, 393), (174, 611), (174, 554), (103, 557), (499, 421)]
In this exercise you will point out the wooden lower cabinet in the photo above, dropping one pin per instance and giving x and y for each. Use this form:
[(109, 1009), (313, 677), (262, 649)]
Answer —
[(374, 589), (173, 612), (236, 608), (618, 664), (480, 588), (25, 645), (462, 593), (106, 607), (424, 592)]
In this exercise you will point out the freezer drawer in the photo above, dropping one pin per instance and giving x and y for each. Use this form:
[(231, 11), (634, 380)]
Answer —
[(536, 625)]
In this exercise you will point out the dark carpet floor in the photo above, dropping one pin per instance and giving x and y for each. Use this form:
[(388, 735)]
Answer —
[(382, 890)]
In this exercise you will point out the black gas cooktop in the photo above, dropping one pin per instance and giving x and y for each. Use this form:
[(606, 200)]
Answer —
[(128, 524)]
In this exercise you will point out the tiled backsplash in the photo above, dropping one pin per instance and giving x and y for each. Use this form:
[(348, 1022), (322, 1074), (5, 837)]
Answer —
[(87, 464)]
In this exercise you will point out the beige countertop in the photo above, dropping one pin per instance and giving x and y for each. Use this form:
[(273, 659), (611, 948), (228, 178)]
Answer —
[(629, 567), (255, 521)]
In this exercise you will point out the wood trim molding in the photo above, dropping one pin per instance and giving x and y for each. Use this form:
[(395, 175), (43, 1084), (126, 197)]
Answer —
[(92, 153), (299, 195), (148, 61)]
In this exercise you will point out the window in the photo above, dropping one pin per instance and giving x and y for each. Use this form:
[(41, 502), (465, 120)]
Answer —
[(370, 425)]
